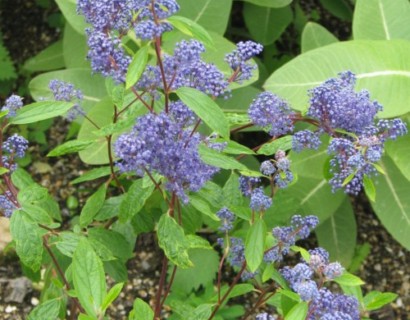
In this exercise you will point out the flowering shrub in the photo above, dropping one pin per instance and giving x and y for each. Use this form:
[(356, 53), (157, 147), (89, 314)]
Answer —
[(175, 169)]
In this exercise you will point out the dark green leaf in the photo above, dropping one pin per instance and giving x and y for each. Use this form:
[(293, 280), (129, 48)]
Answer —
[(46, 310), (68, 242), (113, 241), (134, 200), (270, 3), (92, 206), (255, 245)]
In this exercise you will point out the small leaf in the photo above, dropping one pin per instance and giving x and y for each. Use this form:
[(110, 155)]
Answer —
[(348, 279), (217, 159), (136, 67), (38, 111), (348, 179), (375, 300), (255, 245), (192, 29), (141, 311), (202, 206), (298, 312), (93, 174), (369, 188), (284, 143), (134, 200), (92, 206), (206, 109), (70, 147), (315, 36), (197, 242), (46, 310), (112, 294)]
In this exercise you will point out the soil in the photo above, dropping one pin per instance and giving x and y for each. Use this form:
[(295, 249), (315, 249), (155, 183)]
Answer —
[(386, 268)]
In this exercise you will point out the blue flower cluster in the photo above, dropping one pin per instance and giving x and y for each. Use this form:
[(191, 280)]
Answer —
[(111, 20), (305, 139), (271, 113), (264, 316), (12, 104), (161, 143), (238, 59), (13, 148), (227, 219), (286, 236), (278, 169), (185, 69), (260, 201), (65, 91), (7, 205)]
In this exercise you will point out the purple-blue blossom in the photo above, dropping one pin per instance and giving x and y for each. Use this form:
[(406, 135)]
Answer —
[(271, 113), (7, 205), (307, 290), (248, 184), (15, 146), (267, 168), (260, 201), (227, 219), (65, 91), (333, 270), (304, 225), (305, 139), (264, 316), (12, 104)]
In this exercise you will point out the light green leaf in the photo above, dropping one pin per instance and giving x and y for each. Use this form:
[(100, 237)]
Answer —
[(74, 48), (202, 206), (136, 67), (270, 3), (134, 200), (70, 147), (67, 242), (238, 290), (141, 311), (50, 58), (28, 238), (217, 159), (270, 148), (255, 245), (380, 66), (381, 20), (266, 25), (399, 151), (298, 312), (233, 147), (38, 111), (89, 278), (342, 9), (93, 174), (69, 10), (92, 206), (348, 279), (46, 310), (205, 108), (338, 234), (213, 15), (197, 242), (375, 300), (171, 239), (191, 28), (369, 188), (315, 36), (112, 294), (231, 193), (393, 208)]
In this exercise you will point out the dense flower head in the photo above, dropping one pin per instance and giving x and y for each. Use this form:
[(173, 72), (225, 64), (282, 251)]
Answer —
[(248, 184), (267, 168), (283, 179), (264, 316), (182, 114), (336, 105), (260, 201), (307, 290), (227, 219), (148, 30), (304, 225), (238, 59), (65, 91), (12, 104), (7, 205), (392, 129), (333, 270), (15, 146), (236, 256), (272, 113), (159, 143), (305, 139), (319, 258)]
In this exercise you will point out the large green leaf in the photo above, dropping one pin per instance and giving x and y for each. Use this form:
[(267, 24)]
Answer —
[(50, 58), (381, 20), (255, 245), (92, 86), (141, 311), (399, 151), (213, 15), (89, 278), (393, 205), (338, 234), (266, 24), (74, 48), (38, 111), (381, 67), (217, 159), (92, 206), (270, 3), (136, 67), (205, 108), (135, 199), (315, 36), (69, 10)]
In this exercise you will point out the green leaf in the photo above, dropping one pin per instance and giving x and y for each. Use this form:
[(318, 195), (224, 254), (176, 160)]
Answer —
[(171, 239), (92, 175), (113, 241), (75, 48), (381, 20), (38, 111), (92, 85), (28, 238), (380, 67), (270, 3), (69, 10), (89, 278), (112, 294), (206, 109), (191, 28), (46, 310), (233, 147), (92, 206), (217, 159), (70, 147), (393, 207), (197, 242), (338, 234), (315, 36), (136, 67), (369, 188), (110, 208), (50, 58), (67, 242), (270, 148), (141, 311), (255, 245), (238, 290), (231, 193), (134, 200), (375, 300), (202, 312), (348, 279), (298, 312), (340, 8), (202, 206), (206, 263), (398, 151), (213, 15), (266, 25)]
